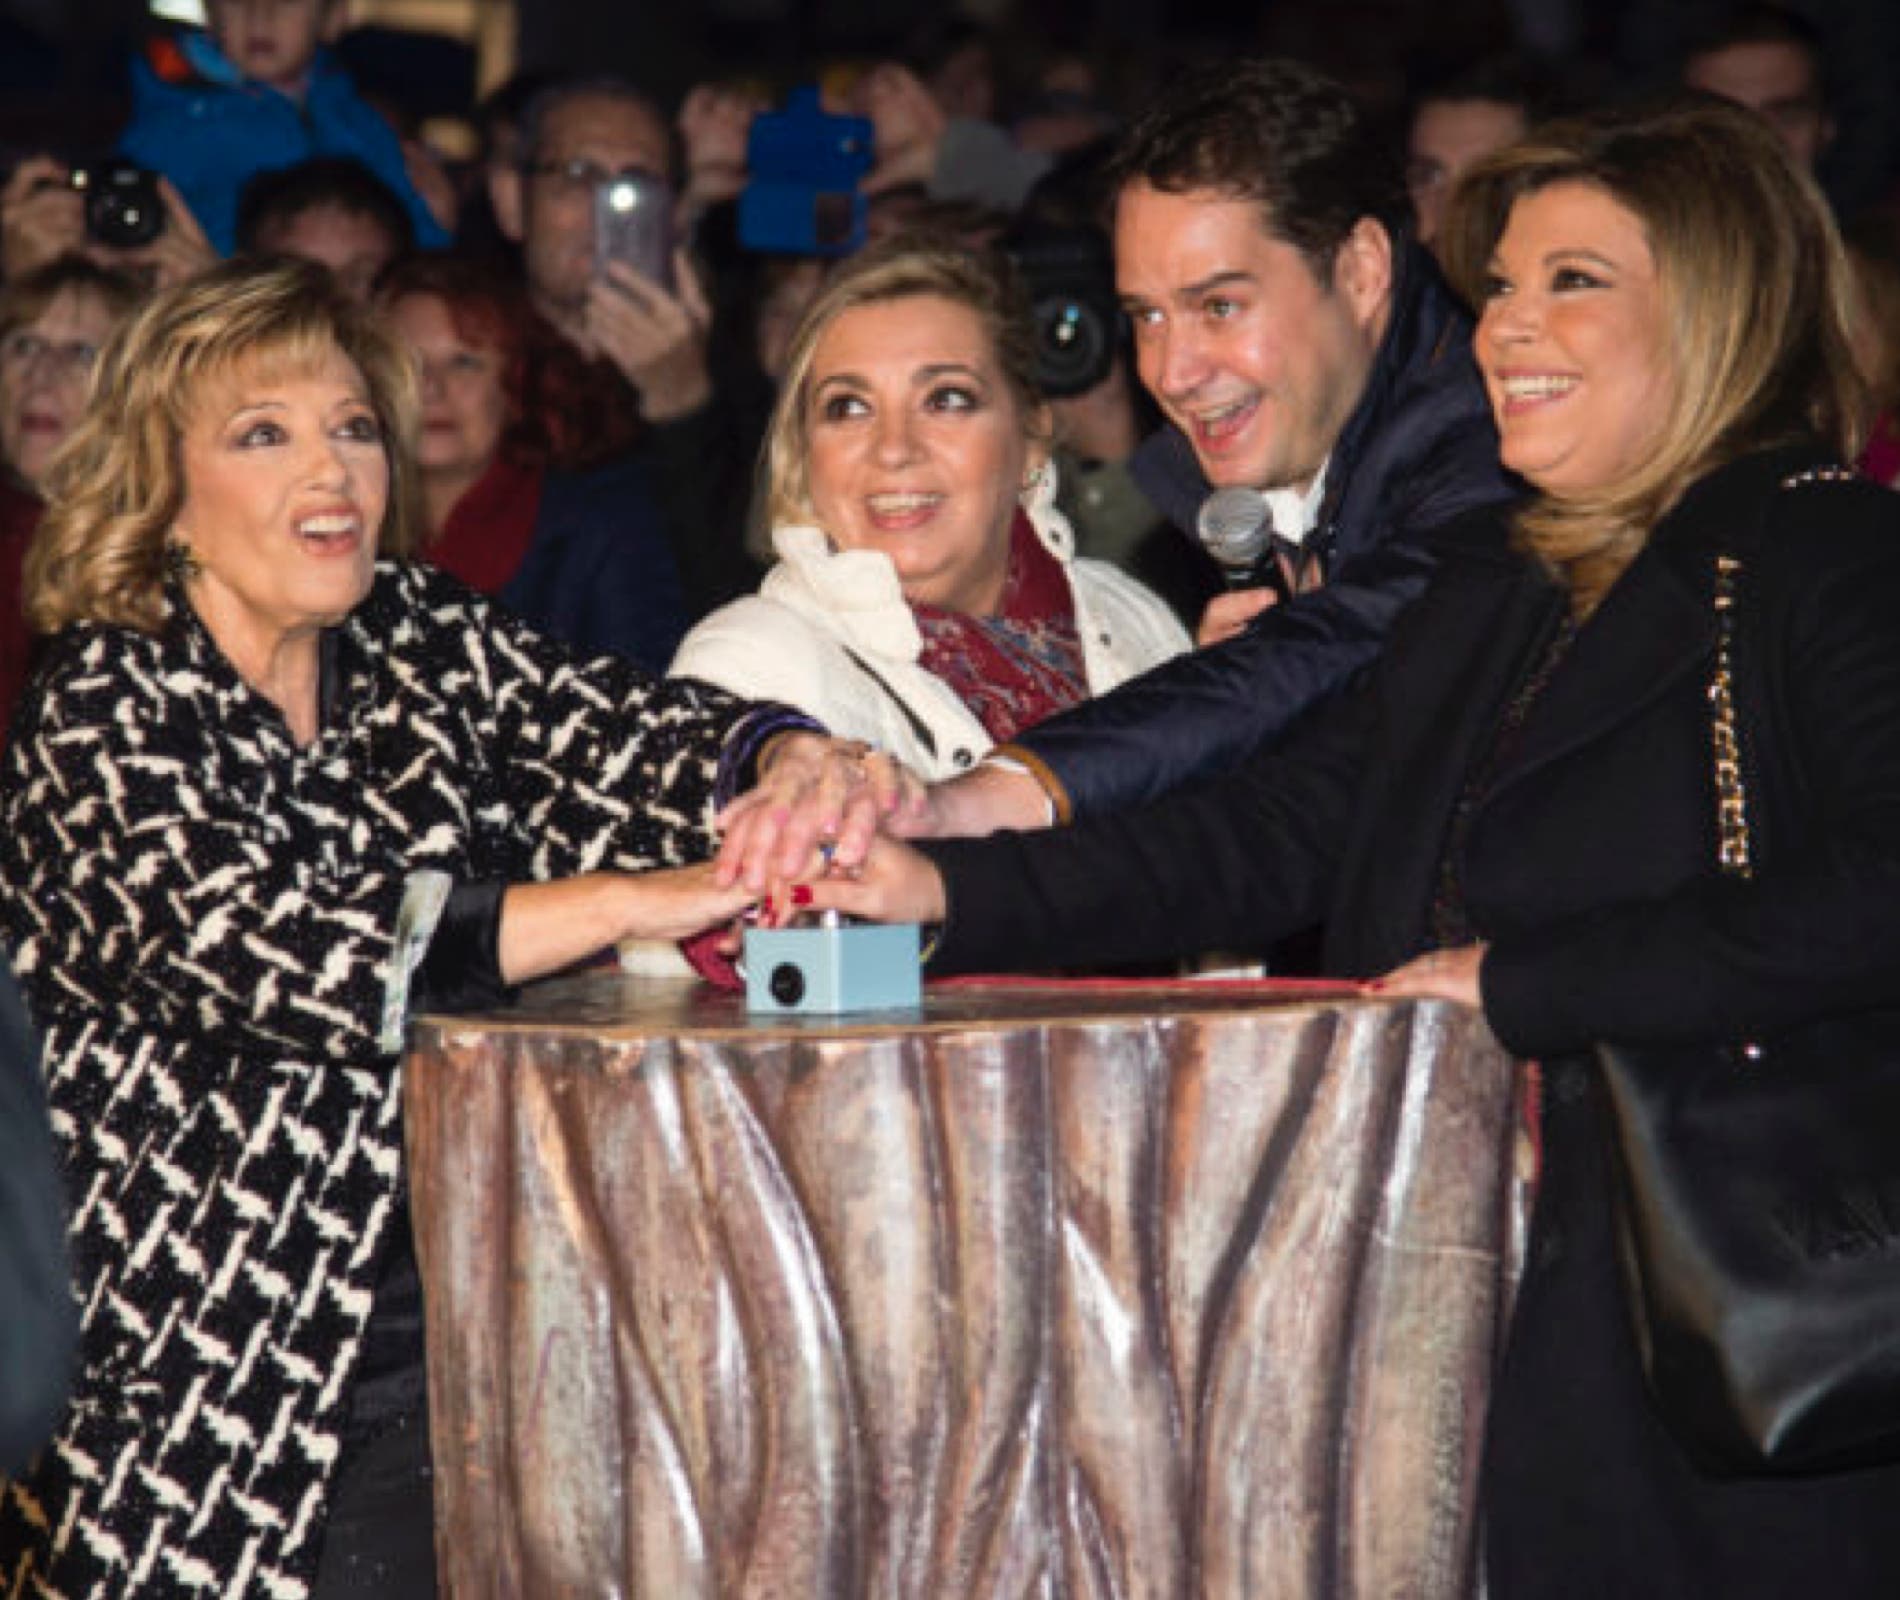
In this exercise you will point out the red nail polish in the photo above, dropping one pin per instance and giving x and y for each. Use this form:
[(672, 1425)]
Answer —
[(765, 908), (801, 894)]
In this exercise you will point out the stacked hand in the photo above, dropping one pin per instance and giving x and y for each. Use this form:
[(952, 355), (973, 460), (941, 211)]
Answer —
[(1436, 975), (817, 807), (893, 883)]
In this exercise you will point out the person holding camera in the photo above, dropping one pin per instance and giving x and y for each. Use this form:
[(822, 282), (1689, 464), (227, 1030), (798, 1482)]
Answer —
[(633, 326), (113, 212), (579, 555), (927, 598)]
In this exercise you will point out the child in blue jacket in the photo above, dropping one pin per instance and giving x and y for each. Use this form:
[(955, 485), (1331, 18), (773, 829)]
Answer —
[(258, 91)]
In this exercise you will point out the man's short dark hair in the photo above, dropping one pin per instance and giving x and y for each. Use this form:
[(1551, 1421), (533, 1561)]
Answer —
[(600, 86), (275, 199), (1277, 132), (1762, 23), (1525, 84)]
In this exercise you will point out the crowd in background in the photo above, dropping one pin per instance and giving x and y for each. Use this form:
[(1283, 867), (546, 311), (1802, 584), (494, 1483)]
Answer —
[(591, 433), (884, 405)]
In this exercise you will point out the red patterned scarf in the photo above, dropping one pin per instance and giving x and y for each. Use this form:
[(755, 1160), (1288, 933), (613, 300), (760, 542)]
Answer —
[(1023, 664)]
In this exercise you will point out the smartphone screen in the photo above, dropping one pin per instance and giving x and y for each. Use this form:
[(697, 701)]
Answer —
[(633, 222)]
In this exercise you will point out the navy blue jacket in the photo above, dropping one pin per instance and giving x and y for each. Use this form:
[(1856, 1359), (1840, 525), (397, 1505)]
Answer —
[(600, 573), (1417, 452)]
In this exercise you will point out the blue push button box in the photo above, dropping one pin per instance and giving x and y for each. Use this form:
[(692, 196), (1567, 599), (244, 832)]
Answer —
[(824, 971)]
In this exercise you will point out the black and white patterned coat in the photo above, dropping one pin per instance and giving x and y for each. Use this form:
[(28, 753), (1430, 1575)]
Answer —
[(203, 916)]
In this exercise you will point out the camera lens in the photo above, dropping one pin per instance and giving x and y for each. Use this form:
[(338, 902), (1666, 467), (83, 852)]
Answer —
[(1074, 345), (123, 206), (787, 984)]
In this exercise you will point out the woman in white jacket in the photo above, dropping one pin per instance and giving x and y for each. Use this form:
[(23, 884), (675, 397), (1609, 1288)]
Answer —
[(927, 597)]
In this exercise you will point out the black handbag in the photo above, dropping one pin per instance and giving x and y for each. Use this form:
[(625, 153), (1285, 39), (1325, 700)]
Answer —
[(1759, 1210)]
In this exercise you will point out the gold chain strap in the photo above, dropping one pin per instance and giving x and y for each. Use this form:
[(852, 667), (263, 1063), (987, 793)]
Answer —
[(1829, 474), (1731, 799)]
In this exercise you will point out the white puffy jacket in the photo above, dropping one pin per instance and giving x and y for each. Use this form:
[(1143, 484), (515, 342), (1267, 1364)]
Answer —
[(829, 632)]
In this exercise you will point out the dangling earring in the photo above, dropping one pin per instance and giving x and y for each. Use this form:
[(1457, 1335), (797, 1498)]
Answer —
[(1036, 480), (181, 565)]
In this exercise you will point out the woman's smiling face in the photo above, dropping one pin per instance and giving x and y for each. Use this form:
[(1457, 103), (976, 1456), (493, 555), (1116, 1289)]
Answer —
[(1573, 341), (917, 446), (286, 481)]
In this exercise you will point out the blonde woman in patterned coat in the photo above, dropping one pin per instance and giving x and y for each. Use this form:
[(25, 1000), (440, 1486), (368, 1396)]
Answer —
[(270, 787)]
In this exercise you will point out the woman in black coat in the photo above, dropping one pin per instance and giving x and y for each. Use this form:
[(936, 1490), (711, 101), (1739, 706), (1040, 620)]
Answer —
[(1523, 790)]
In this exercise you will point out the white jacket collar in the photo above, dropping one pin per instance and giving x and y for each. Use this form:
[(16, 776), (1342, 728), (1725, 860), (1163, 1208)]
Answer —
[(858, 589)]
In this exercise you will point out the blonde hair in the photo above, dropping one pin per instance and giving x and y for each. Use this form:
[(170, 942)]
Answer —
[(1755, 297), (116, 485), (903, 267)]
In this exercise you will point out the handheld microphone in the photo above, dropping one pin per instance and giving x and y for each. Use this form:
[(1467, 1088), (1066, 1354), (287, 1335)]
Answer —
[(1235, 527)]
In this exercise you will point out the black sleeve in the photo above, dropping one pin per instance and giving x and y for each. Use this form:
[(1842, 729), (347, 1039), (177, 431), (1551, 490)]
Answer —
[(461, 969), (1202, 713), (1231, 864), (38, 1315)]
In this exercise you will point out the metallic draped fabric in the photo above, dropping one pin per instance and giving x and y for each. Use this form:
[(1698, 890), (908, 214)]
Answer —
[(1170, 1291)]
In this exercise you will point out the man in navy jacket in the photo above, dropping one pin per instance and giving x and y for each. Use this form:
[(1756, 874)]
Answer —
[(1300, 343)]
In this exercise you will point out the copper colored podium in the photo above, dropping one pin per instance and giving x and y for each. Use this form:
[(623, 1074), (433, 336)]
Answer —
[(1060, 1290)]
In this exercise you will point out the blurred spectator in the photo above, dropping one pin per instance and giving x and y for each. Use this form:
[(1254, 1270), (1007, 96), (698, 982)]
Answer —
[(789, 285), (1769, 59), (1061, 244), (715, 122), (1459, 120), (960, 62), (1067, 111), (498, 136), (331, 210), (258, 90), (575, 137), (1873, 256), (639, 375), (53, 322), (920, 143), (581, 555), (910, 209), (43, 217)]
